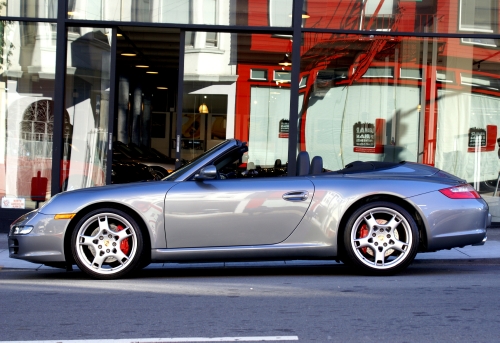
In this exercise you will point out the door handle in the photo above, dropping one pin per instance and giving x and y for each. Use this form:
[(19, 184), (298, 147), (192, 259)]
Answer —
[(296, 196)]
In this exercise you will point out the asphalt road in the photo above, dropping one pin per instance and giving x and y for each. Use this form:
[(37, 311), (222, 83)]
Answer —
[(457, 301), (430, 302)]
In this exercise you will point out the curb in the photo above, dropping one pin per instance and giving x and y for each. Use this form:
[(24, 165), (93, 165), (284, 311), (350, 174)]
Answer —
[(491, 261)]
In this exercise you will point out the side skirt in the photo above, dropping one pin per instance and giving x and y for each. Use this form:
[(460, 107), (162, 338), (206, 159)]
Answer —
[(244, 253)]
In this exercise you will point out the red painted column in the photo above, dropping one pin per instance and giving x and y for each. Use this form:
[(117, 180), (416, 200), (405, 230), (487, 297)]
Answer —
[(431, 117)]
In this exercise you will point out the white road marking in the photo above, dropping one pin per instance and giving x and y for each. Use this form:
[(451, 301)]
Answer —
[(166, 340)]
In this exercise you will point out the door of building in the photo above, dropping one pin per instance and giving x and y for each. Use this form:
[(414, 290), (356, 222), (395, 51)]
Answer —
[(147, 62)]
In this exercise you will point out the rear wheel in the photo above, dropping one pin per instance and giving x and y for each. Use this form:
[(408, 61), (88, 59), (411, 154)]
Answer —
[(107, 244), (381, 238)]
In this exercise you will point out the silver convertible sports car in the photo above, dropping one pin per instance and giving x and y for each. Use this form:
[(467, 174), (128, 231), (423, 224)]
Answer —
[(373, 216)]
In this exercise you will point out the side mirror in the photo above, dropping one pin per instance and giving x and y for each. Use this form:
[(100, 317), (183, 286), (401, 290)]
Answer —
[(206, 173)]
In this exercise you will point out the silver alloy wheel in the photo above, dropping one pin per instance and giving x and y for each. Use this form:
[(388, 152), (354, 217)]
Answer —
[(100, 241), (387, 241)]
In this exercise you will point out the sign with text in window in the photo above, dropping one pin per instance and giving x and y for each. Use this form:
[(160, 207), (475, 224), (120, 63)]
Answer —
[(10, 202), (477, 136), (284, 128), (369, 137), (364, 134), (482, 140)]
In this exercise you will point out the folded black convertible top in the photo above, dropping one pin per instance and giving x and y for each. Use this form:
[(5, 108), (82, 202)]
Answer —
[(362, 167)]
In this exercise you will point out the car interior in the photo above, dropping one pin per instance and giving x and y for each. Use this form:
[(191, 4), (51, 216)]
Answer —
[(234, 165)]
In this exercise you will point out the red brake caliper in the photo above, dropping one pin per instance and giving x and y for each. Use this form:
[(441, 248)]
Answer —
[(363, 232), (124, 246)]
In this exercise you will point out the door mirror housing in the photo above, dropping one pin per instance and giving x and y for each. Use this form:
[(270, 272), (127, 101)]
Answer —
[(206, 173)]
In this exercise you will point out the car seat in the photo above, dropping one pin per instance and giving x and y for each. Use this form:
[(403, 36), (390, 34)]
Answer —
[(303, 163), (316, 165)]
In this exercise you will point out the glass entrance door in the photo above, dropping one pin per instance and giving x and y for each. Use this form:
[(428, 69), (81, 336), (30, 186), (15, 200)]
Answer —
[(147, 62)]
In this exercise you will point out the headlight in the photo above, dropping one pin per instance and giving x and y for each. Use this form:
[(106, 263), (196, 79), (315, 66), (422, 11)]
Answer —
[(20, 229)]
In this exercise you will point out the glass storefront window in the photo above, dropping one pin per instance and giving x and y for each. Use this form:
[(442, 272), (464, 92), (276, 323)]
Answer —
[(470, 16), (209, 12), (87, 108), (29, 8), (237, 90), (27, 70), (382, 98)]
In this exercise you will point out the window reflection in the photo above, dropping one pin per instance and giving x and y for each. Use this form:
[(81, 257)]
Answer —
[(404, 16), (87, 105), (29, 8), (243, 92), (208, 12), (27, 56), (478, 15), (387, 98)]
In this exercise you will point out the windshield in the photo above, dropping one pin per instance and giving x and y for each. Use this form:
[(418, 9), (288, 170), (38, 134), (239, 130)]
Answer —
[(122, 148), (191, 164)]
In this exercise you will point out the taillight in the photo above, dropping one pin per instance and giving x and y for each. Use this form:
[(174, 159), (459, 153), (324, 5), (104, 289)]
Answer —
[(461, 192)]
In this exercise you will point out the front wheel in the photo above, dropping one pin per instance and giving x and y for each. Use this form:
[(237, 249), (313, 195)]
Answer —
[(381, 238), (107, 244)]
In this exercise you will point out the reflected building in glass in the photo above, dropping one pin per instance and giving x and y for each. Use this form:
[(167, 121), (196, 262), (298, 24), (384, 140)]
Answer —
[(94, 92)]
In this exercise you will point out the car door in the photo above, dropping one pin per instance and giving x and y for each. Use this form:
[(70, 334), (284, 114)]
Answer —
[(249, 211)]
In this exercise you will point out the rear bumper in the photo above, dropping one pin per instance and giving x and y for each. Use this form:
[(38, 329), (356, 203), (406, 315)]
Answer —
[(452, 223), (482, 242), (485, 237)]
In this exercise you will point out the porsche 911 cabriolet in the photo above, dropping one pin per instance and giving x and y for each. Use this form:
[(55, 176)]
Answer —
[(373, 216)]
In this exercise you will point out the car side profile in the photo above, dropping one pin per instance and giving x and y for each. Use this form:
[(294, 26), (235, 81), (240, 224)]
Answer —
[(374, 216)]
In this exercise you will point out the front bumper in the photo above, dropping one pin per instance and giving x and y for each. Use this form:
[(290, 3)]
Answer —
[(44, 244)]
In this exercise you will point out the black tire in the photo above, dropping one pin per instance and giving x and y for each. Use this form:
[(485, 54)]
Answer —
[(162, 172), (107, 244), (380, 238), (487, 186)]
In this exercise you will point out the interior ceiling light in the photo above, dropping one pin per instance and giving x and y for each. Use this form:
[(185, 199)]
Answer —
[(117, 35), (141, 66), (151, 72), (128, 53), (285, 61), (203, 108), (161, 87)]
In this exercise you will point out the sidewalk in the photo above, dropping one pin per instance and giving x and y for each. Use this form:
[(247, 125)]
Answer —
[(490, 250)]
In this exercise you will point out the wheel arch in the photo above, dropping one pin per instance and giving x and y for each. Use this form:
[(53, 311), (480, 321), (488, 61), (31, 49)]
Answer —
[(130, 211), (389, 198)]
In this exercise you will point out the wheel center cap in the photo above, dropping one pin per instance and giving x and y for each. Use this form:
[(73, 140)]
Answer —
[(107, 243), (381, 238)]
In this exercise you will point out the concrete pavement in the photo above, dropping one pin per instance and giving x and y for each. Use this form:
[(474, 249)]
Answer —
[(490, 251)]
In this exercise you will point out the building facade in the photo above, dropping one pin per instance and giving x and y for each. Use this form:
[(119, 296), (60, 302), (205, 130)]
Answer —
[(85, 82)]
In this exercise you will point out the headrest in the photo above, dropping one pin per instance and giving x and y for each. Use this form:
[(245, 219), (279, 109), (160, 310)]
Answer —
[(302, 163), (316, 165)]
